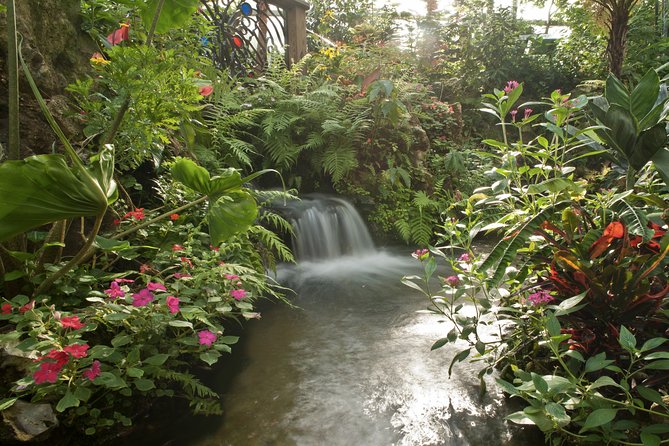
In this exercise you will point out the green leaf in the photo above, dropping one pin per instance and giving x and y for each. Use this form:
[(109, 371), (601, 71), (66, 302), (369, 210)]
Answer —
[(570, 305), (6, 403), (661, 163), (158, 359), (649, 143), (604, 381), (599, 417), (230, 340), (197, 178), (653, 343), (210, 356), (558, 413), (658, 365), (650, 439), (440, 343), (67, 401), (110, 245), (458, 358), (539, 383), (555, 185), (144, 384), (597, 362), (181, 324), (651, 395), (616, 92), (430, 267), (13, 275), (644, 95), (134, 372), (230, 215), (121, 340), (553, 325), (110, 380), (174, 14), (626, 339), (42, 189), (656, 355)]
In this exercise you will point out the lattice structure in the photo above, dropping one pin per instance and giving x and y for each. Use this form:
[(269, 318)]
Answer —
[(244, 34)]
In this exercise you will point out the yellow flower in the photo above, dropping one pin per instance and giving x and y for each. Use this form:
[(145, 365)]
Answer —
[(98, 59)]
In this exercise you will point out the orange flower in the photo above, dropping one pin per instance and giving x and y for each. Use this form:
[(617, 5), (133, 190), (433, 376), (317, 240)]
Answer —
[(206, 90)]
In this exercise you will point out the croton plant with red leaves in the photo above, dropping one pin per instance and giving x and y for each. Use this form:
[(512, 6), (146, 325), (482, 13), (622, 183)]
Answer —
[(623, 276)]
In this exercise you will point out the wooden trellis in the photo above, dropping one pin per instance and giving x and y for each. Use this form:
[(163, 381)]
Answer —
[(245, 33)]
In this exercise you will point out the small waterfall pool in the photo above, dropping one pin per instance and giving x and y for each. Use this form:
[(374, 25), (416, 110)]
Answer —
[(352, 365)]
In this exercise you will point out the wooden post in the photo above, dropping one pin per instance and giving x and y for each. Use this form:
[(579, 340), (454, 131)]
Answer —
[(296, 28)]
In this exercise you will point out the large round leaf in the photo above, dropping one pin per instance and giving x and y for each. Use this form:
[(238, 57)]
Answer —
[(43, 188), (197, 178), (231, 214), (174, 13)]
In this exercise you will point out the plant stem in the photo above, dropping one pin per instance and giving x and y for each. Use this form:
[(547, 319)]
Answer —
[(14, 134), (154, 22), (83, 252), (158, 218)]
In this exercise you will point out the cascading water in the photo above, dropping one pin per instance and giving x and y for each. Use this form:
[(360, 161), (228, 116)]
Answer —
[(352, 364), (326, 228)]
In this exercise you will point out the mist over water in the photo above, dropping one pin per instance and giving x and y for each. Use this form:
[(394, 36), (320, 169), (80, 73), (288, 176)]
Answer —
[(352, 365)]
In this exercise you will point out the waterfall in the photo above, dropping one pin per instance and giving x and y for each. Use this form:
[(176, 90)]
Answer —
[(327, 228)]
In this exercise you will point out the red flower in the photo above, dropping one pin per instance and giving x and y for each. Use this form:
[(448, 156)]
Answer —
[(143, 268), (187, 261), (47, 372), (76, 350), (27, 307), (6, 308), (60, 356), (155, 286), (174, 217), (71, 322), (206, 90), (137, 214), (120, 35), (177, 247), (93, 372), (117, 222)]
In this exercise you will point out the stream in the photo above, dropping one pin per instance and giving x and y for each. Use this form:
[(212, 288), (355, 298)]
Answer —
[(352, 365)]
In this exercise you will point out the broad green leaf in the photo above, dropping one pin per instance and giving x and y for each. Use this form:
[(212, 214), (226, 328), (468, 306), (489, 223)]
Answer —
[(210, 356), (649, 143), (626, 339), (158, 359), (622, 128), (461, 356), (597, 362), (42, 189), (107, 244), (616, 92), (651, 395), (121, 340), (644, 95), (657, 355), (67, 401), (540, 383), (83, 393), (144, 384), (553, 325), (180, 324), (229, 339), (653, 343), (558, 413), (134, 372), (110, 380), (661, 163), (603, 381), (174, 14), (599, 417), (650, 439), (197, 178), (230, 215), (555, 185), (658, 365)]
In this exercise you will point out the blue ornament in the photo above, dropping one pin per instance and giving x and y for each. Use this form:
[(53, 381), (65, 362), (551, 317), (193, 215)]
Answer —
[(246, 9), (204, 41)]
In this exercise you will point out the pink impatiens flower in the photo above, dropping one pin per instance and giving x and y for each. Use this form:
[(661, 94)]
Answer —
[(93, 372), (465, 257), (76, 350), (142, 298), (173, 304), (206, 90), (119, 35), (238, 294), (154, 286), (72, 322), (114, 291), (27, 307), (232, 276), (47, 373), (60, 356), (6, 308), (206, 337)]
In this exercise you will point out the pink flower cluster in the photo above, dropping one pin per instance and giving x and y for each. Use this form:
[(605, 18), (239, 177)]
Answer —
[(452, 281), (236, 293), (53, 362), (540, 298), (420, 254), (510, 86), (146, 295)]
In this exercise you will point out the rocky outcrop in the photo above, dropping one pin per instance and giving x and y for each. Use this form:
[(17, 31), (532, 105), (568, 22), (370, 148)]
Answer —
[(57, 52)]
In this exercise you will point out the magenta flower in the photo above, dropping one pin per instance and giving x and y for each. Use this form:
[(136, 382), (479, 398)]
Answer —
[(528, 112), (142, 298), (232, 276), (238, 294), (114, 291), (206, 337), (124, 280), (510, 86), (93, 372), (452, 281), (154, 286), (173, 304), (514, 112), (540, 297), (464, 257), (420, 254)]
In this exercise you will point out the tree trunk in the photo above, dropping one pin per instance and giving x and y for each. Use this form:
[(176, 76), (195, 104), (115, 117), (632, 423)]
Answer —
[(617, 43)]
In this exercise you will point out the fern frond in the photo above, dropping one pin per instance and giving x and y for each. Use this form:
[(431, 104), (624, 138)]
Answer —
[(338, 161), (404, 229)]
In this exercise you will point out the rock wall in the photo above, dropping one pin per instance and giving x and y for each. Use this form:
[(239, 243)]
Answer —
[(57, 52)]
